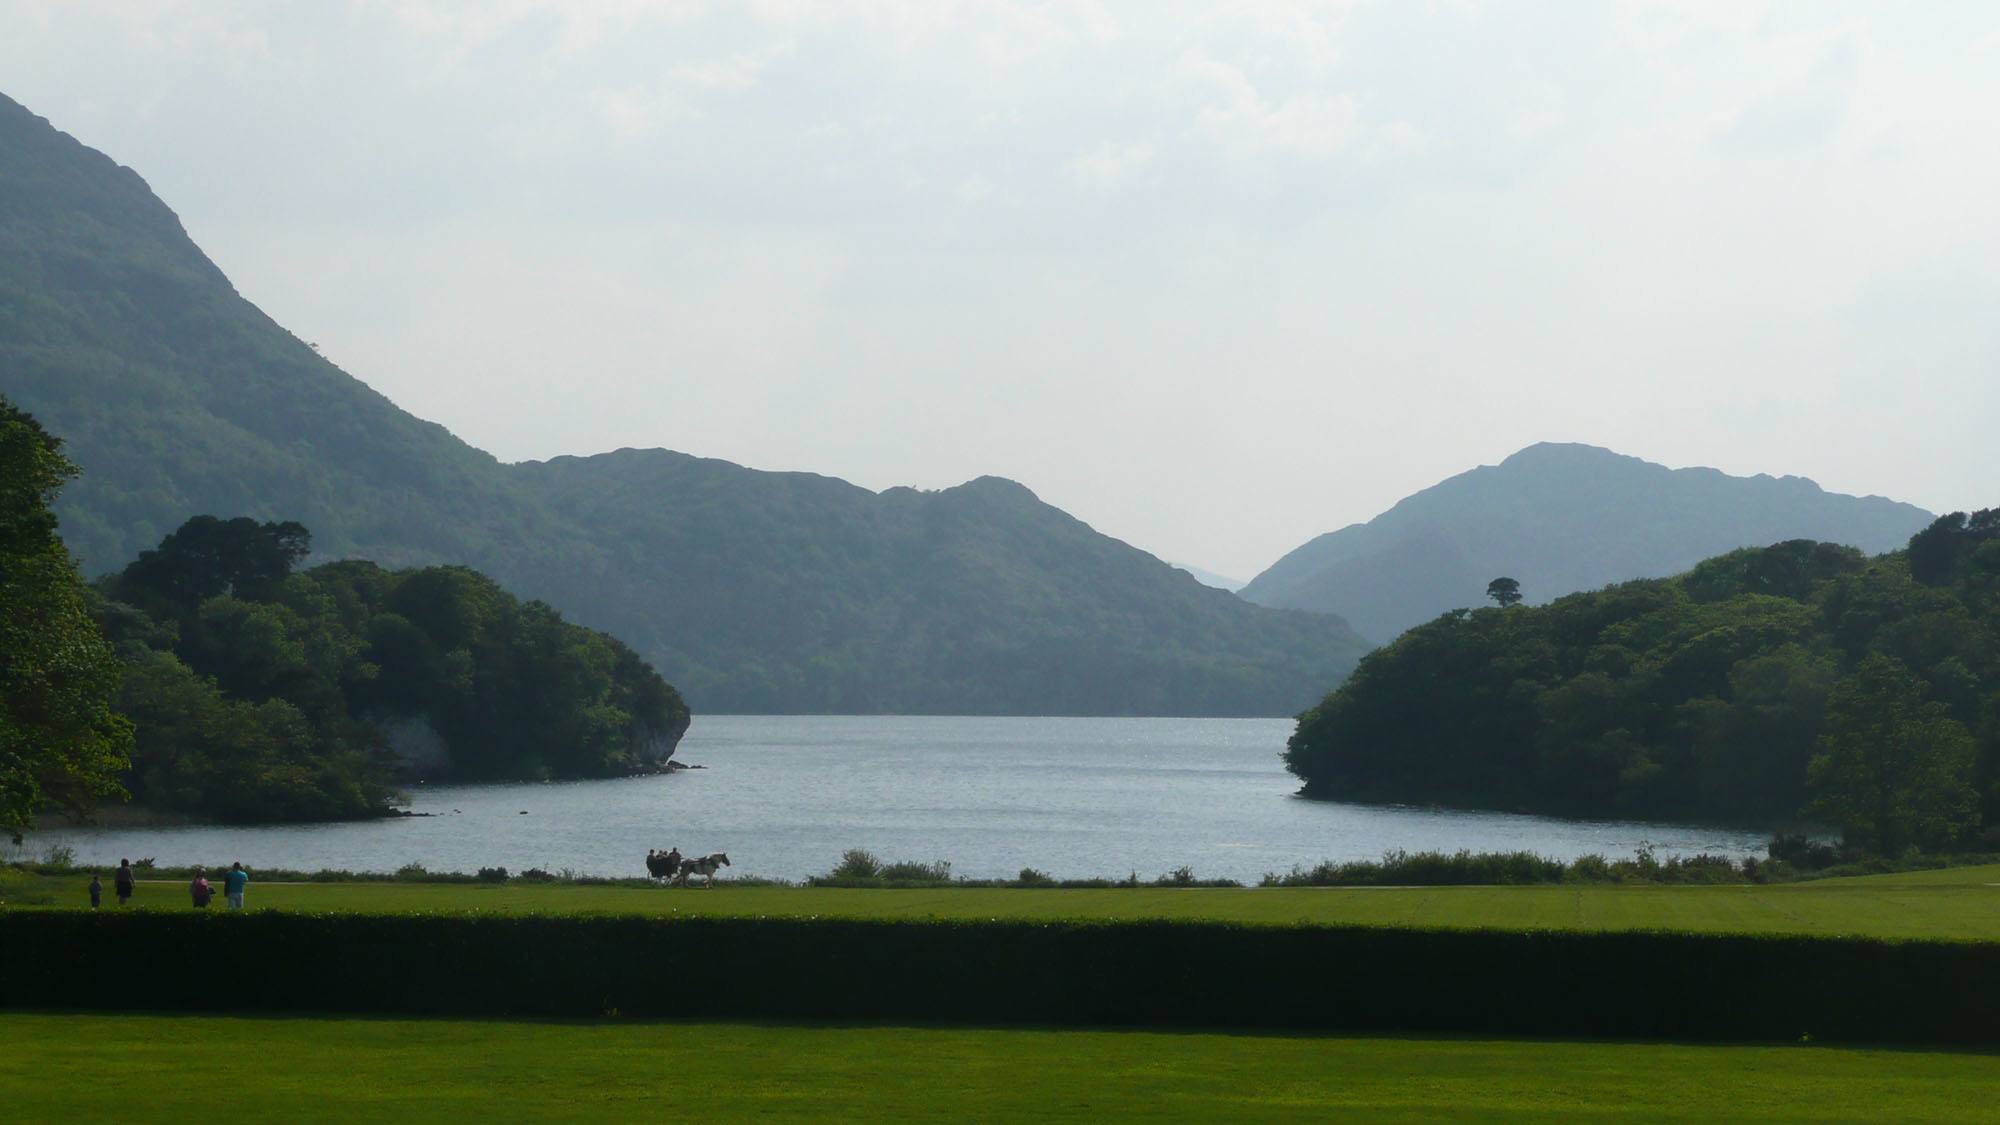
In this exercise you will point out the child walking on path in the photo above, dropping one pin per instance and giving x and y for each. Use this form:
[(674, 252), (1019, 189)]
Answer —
[(96, 891)]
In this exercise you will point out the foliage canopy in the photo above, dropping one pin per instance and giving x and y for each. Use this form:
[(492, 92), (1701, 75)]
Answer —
[(303, 696), (60, 743), (1762, 684)]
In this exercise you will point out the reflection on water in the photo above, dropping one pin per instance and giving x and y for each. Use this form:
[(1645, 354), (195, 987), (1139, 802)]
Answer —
[(785, 795)]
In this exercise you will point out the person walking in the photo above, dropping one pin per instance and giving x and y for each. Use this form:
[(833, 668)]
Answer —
[(96, 891), (200, 891), (121, 881), (233, 884)]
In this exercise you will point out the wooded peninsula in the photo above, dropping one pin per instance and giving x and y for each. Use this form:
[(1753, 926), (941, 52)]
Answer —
[(1801, 680)]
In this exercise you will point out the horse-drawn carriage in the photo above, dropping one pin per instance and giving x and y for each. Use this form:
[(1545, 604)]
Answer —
[(671, 867)]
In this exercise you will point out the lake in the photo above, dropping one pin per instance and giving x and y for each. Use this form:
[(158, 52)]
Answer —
[(786, 795)]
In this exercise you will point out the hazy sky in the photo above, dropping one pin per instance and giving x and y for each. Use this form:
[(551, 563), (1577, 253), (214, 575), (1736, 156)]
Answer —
[(1213, 277)]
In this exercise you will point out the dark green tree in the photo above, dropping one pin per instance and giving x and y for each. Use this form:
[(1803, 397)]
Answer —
[(61, 745), (1791, 569), (1704, 696), (305, 697), (1936, 551), (207, 557), (1506, 591), (1894, 770), (238, 762), (1936, 548)]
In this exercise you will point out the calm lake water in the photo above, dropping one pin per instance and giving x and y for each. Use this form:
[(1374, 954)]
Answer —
[(785, 795)]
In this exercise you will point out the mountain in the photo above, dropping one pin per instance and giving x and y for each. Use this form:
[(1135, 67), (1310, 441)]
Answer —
[(180, 398), (1210, 578), (748, 590), (1559, 518)]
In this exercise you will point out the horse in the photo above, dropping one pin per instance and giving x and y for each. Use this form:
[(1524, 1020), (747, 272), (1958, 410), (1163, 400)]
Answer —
[(662, 865), (706, 866)]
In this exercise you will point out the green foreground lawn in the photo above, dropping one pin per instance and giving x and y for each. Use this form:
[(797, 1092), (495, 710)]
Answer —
[(1960, 903), (61, 1067)]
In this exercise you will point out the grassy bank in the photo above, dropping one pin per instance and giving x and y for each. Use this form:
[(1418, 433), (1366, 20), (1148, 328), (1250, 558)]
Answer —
[(62, 1067), (1956, 903)]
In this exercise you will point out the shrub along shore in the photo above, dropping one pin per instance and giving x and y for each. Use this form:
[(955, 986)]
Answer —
[(1792, 860)]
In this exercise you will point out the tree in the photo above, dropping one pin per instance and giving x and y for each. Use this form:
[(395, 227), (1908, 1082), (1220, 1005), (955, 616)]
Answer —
[(207, 557), (287, 698), (1702, 696), (61, 745), (1894, 770), (1936, 550), (236, 761), (1506, 591)]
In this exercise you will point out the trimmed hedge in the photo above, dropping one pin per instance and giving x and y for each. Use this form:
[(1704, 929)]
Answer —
[(1653, 985)]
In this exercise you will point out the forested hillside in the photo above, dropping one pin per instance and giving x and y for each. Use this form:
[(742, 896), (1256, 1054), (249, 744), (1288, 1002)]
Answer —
[(1559, 518), (750, 590), (1802, 679), (979, 598)]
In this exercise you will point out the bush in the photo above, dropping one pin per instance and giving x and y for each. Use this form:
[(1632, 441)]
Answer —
[(492, 875), (859, 868), (1482, 982), (1589, 869), (939, 872), (1802, 851), (1464, 869), (1029, 877), (1699, 869), (1428, 869), (855, 863)]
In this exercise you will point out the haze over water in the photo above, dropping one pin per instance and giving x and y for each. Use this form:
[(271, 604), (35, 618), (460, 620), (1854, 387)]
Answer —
[(786, 795)]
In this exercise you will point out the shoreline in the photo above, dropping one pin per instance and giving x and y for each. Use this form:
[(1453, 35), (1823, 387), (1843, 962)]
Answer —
[(118, 816)]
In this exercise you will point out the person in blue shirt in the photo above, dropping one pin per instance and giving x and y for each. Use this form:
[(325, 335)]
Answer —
[(233, 884)]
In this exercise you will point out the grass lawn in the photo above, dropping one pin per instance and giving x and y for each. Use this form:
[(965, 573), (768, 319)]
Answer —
[(1961, 903), (63, 1067)]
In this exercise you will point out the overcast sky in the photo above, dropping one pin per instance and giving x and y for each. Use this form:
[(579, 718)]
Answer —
[(1213, 277)]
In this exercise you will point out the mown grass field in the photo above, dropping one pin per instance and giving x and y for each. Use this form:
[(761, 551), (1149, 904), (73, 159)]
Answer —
[(1958, 903), (63, 1067)]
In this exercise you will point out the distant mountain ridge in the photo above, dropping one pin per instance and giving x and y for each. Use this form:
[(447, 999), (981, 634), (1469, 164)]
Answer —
[(1210, 578), (1559, 518), (748, 590)]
